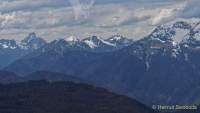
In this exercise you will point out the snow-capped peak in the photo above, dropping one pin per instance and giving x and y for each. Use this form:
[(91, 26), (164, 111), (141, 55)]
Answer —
[(116, 38), (90, 43), (177, 32), (172, 37), (119, 40), (95, 41), (8, 44), (71, 39), (32, 42), (30, 37), (108, 43)]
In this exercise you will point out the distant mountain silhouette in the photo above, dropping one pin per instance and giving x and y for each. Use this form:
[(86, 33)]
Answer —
[(52, 77), (64, 97), (9, 77)]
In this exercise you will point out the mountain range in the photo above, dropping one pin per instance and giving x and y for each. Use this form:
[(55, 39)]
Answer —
[(11, 50), (161, 68)]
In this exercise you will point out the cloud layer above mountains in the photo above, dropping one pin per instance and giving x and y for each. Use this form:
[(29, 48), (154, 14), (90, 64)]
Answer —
[(82, 18)]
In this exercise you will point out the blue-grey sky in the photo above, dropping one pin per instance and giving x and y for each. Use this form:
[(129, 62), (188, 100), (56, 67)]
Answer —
[(53, 19)]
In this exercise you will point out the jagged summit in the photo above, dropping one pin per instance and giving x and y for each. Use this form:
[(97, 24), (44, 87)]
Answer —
[(177, 32), (71, 39), (172, 40), (119, 40), (95, 41), (30, 37), (32, 42)]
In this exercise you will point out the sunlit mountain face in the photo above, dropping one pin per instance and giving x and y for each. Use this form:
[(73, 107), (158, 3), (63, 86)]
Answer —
[(147, 51)]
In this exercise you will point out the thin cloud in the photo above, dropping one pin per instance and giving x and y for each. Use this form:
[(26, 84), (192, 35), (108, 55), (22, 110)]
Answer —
[(61, 18)]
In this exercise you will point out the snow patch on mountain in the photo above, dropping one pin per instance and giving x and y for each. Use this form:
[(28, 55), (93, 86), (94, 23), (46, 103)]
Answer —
[(90, 43), (107, 43), (71, 39), (31, 37), (180, 35), (32, 42), (177, 32), (119, 41), (116, 38), (97, 42), (8, 44), (197, 36), (5, 46)]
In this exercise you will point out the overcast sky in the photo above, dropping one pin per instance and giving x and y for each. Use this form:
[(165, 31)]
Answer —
[(52, 19)]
